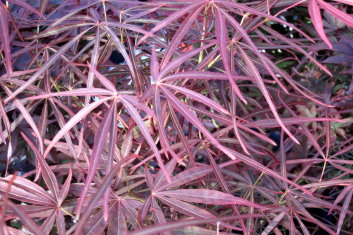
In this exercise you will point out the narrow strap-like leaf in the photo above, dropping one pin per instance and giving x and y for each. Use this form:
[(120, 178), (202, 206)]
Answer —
[(315, 15)]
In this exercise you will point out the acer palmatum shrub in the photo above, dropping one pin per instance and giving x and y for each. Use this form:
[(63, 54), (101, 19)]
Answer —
[(176, 117)]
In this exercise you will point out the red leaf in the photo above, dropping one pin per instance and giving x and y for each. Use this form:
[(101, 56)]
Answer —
[(47, 174), (222, 38), (344, 17), (186, 208), (185, 177), (315, 15), (45, 67), (179, 34), (4, 36), (25, 219), (163, 23), (158, 215), (209, 197), (73, 121), (100, 141), (137, 118), (25, 190)]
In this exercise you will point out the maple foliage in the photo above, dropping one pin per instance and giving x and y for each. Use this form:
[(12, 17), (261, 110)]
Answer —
[(175, 117)]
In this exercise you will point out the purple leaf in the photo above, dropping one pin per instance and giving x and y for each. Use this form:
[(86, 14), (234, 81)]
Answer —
[(27, 7)]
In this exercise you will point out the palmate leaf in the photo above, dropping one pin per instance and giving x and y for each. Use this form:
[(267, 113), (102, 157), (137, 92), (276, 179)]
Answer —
[(117, 223), (99, 193), (36, 211), (25, 190), (192, 118), (181, 134), (254, 71), (51, 182), (49, 63)]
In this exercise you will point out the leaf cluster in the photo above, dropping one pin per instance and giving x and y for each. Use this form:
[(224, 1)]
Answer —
[(175, 117)]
